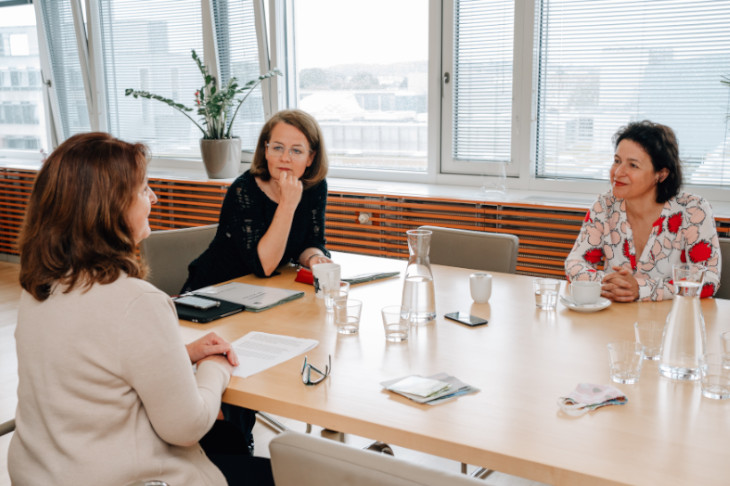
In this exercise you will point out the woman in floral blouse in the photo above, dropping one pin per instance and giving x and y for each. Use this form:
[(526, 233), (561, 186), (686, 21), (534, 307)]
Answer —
[(644, 225)]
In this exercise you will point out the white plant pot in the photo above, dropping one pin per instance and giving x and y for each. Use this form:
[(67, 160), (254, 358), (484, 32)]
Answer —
[(222, 157)]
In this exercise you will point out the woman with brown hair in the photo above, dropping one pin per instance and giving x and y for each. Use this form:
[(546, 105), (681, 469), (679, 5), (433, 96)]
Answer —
[(273, 213), (106, 391)]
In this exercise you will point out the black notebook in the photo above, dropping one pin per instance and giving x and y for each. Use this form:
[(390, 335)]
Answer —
[(202, 316)]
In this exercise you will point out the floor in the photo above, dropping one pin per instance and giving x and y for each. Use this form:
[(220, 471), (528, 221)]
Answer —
[(9, 295)]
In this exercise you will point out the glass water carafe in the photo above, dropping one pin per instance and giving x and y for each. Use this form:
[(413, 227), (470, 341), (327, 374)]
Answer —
[(683, 343), (419, 302)]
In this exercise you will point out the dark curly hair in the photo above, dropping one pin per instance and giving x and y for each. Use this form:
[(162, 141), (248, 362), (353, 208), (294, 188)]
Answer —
[(660, 143)]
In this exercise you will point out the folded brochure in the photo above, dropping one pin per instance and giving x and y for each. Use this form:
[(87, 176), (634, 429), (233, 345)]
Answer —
[(430, 389)]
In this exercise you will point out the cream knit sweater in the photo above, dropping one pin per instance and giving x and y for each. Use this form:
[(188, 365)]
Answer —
[(107, 394)]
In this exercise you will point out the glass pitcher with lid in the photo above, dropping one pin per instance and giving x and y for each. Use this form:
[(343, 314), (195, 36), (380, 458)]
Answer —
[(419, 301), (683, 343)]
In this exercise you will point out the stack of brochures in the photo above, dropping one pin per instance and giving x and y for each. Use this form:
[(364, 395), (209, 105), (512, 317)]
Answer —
[(431, 390)]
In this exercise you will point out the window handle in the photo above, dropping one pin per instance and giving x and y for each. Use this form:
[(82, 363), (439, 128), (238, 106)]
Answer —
[(447, 78)]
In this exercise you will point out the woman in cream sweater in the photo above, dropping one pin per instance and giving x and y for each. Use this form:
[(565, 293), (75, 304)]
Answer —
[(107, 392)]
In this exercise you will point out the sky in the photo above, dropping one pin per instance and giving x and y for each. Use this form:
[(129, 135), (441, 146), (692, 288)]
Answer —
[(330, 32), (19, 15)]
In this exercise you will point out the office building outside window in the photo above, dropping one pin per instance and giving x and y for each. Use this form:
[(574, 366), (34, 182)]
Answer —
[(22, 114)]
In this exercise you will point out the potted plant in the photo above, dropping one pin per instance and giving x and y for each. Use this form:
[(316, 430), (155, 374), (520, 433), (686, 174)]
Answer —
[(220, 151)]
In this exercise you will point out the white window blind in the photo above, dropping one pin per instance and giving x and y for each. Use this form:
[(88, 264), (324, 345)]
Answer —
[(147, 45), (238, 57), (482, 80), (68, 79), (603, 64)]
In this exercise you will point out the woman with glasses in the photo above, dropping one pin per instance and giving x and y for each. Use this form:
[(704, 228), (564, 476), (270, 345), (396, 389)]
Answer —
[(273, 213)]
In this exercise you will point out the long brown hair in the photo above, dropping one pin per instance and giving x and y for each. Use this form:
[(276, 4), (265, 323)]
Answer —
[(75, 230), (305, 123)]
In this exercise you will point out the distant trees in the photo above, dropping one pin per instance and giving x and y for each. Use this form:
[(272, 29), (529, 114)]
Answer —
[(318, 78)]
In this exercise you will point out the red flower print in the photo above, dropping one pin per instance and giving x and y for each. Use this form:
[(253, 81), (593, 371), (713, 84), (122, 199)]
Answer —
[(593, 256), (708, 290), (700, 252), (588, 218), (660, 224), (683, 257), (632, 258), (674, 223)]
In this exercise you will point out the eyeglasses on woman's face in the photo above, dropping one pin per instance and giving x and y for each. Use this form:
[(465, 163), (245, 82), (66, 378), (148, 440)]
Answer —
[(296, 153)]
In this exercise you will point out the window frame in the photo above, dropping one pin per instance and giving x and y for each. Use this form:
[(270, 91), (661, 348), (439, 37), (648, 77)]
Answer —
[(275, 36)]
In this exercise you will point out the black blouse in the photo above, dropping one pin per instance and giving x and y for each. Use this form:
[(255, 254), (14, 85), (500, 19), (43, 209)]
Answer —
[(245, 217)]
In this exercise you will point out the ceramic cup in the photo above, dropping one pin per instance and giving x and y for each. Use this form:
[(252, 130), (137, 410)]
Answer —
[(480, 286), (326, 277), (585, 292)]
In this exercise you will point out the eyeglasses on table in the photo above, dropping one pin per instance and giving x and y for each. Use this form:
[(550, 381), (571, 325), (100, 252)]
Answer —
[(308, 368)]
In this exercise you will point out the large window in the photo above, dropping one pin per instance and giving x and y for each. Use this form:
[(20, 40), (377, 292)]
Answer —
[(148, 46), (362, 71), (527, 94), (605, 63), (477, 86), (23, 124)]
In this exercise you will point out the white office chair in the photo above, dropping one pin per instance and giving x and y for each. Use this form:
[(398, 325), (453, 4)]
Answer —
[(724, 291), (169, 252), (304, 460), (490, 252)]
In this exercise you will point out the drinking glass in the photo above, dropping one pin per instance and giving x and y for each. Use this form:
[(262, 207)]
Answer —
[(625, 359), (395, 323)]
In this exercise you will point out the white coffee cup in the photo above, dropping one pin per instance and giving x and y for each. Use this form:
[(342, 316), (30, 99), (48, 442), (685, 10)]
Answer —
[(585, 292), (480, 286), (326, 276)]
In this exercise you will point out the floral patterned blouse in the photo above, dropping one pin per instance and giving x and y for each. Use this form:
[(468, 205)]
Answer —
[(685, 230)]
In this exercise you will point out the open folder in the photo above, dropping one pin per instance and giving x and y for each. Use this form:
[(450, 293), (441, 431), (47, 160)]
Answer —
[(253, 298)]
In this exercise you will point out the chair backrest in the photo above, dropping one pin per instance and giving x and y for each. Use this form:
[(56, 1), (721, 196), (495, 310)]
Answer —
[(169, 252), (724, 291), (7, 427), (303, 460), (491, 252)]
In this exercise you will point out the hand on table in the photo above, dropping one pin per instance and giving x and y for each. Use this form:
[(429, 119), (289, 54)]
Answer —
[(317, 258), (620, 286), (211, 345)]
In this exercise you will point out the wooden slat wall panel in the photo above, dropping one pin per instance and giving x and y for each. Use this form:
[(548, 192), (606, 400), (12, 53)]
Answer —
[(373, 224), (546, 233), (15, 188)]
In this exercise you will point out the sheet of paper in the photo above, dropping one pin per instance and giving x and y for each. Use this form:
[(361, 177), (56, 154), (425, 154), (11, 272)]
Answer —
[(258, 351)]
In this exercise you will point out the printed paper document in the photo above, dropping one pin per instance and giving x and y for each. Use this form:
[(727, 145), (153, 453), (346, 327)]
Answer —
[(258, 351)]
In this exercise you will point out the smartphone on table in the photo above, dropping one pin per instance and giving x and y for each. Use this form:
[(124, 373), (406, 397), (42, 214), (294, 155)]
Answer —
[(466, 318), (197, 302)]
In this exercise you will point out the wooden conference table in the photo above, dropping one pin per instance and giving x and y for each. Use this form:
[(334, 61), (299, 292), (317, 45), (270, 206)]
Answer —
[(522, 362)]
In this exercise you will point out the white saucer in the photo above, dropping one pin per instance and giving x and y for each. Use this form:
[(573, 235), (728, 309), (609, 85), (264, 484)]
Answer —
[(600, 305)]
